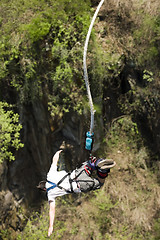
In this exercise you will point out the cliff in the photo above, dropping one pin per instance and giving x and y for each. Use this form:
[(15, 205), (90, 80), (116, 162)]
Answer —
[(41, 76)]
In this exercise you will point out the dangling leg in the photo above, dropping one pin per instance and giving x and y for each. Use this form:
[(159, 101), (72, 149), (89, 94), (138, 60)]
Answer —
[(92, 163), (102, 175), (103, 168), (85, 171), (95, 163)]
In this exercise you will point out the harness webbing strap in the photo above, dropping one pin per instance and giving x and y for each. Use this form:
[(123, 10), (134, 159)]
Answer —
[(63, 178), (70, 180), (87, 170), (53, 185), (58, 184)]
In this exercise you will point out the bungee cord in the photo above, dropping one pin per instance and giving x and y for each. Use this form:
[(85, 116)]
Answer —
[(92, 110)]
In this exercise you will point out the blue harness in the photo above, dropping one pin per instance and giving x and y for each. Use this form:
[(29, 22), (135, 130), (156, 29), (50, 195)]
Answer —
[(54, 185)]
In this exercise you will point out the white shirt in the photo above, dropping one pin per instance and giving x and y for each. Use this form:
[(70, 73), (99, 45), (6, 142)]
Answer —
[(55, 176)]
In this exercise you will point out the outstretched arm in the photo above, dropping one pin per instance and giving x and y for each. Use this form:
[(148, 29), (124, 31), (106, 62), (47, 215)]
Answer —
[(51, 217), (56, 157)]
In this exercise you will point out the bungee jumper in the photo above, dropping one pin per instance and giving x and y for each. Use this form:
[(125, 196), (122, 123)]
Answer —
[(60, 183)]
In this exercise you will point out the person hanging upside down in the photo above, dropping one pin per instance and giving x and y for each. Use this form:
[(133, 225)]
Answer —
[(79, 180)]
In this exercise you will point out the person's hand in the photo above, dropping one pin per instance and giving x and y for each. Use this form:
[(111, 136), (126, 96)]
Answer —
[(50, 230), (56, 157), (59, 151)]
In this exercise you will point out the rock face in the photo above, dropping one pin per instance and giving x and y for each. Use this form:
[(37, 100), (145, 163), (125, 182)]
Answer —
[(32, 161), (41, 140), (42, 137)]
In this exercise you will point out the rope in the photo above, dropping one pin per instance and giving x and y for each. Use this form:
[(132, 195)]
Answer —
[(85, 67)]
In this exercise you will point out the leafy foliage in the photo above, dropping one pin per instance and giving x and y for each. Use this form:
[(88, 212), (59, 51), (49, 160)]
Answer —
[(42, 50), (41, 43), (124, 129), (40, 57), (9, 132), (147, 36)]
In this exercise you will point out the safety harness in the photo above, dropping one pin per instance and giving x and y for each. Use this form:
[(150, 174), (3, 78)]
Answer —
[(54, 185), (58, 184)]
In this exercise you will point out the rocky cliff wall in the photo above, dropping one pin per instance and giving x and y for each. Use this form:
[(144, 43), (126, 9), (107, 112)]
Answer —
[(42, 137)]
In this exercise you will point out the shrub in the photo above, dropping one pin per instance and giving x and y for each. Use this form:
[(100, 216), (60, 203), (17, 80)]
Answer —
[(9, 132)]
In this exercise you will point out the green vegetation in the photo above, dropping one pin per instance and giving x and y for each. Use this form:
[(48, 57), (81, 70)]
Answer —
[(125, 130), (41, 52), (9, 132), (42, 47), (148, 34), (122, 210), (41, 57)]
